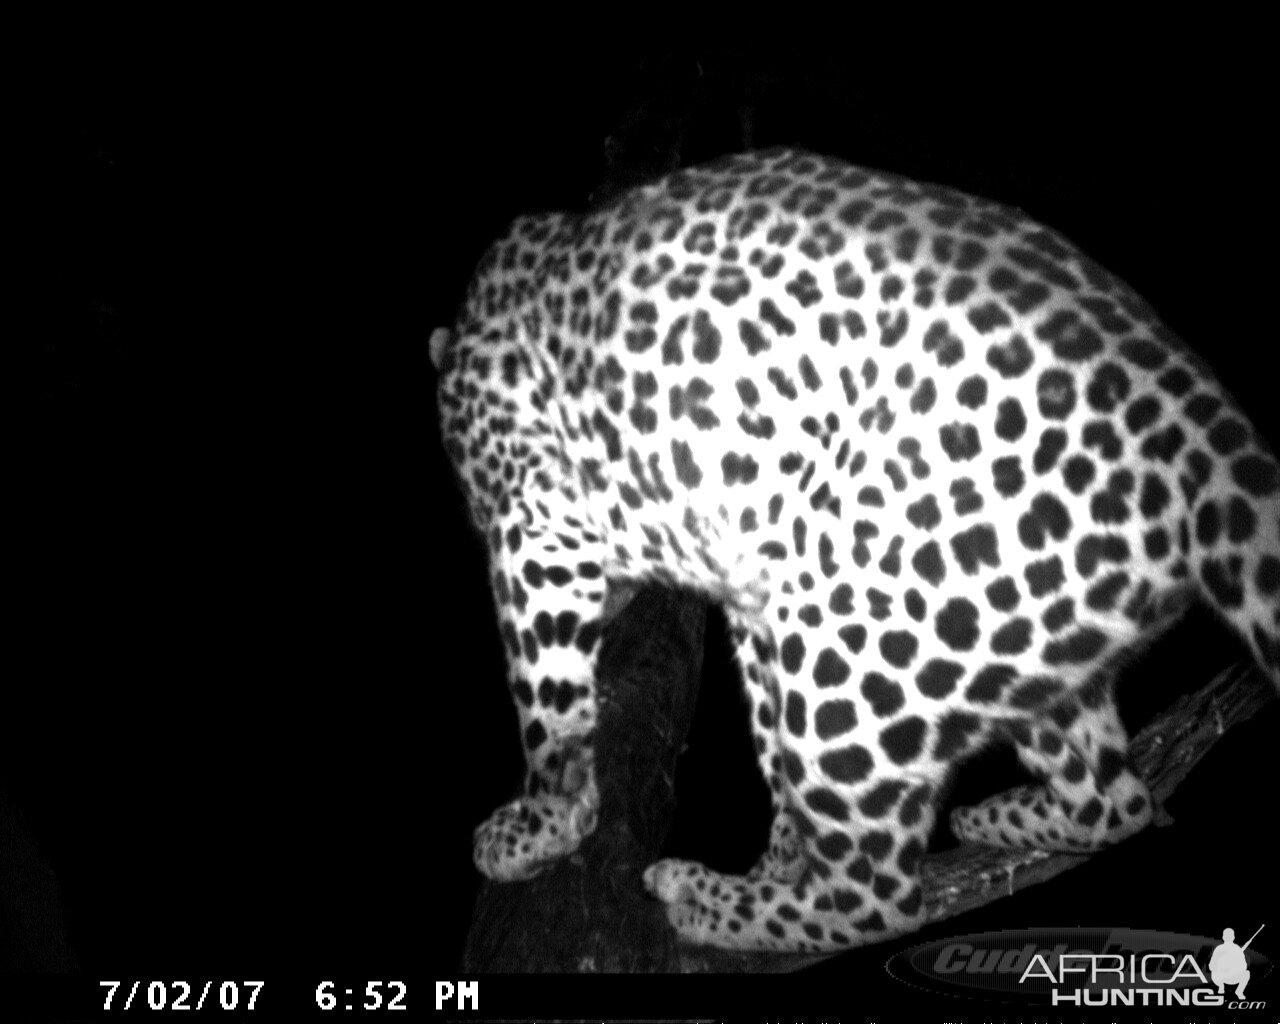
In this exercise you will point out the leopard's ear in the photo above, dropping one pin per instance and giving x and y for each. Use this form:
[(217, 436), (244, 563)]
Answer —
[(438, 343)]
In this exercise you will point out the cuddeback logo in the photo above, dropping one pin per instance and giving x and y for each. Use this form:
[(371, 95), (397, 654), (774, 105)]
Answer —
[(1089, 967)]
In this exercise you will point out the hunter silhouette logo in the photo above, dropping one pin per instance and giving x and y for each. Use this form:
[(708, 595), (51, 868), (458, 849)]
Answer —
[(1227, 965)]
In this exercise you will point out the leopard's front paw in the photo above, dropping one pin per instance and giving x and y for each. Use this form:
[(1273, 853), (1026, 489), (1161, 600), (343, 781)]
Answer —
[(524, 836), (675, 881), (707, 908), (680, 884)]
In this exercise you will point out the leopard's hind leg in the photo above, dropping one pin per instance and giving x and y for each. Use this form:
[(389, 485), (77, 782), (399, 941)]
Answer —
[(1090, 798)]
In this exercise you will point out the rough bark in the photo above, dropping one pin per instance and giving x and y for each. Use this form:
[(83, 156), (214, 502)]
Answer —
[(590, 912)]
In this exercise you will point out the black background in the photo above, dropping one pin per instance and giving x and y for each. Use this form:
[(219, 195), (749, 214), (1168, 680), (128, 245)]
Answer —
[(257, 701)]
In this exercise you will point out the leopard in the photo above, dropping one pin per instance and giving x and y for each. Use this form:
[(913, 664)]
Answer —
[(940, 470)]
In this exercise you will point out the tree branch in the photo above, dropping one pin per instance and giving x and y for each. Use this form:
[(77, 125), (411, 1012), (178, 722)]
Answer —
[(590, 912)]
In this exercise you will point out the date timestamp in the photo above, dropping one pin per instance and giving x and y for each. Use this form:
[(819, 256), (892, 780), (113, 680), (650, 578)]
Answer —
[(180, 995)]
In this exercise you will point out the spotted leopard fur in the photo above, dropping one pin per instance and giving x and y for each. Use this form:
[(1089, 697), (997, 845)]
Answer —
[(938, 467)]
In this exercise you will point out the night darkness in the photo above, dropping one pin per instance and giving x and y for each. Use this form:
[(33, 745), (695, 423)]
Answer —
[(259, 702)]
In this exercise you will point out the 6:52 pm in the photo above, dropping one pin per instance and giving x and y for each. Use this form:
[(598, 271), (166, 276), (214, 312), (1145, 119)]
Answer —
[(327, 993)]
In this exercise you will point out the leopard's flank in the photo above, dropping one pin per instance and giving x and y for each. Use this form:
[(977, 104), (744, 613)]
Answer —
[(939, 469)]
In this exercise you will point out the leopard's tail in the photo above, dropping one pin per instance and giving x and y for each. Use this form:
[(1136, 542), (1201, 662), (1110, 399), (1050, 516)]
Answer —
[(1234, 534)]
